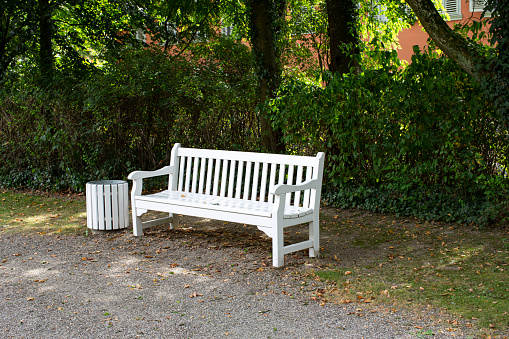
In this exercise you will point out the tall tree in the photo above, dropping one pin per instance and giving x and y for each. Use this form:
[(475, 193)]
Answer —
[(46, 61), (40, 30), (343, 36), (265, 20), (18, 25)]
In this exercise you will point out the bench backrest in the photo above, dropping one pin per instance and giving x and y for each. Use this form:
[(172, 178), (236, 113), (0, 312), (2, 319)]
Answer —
[(244, 175)]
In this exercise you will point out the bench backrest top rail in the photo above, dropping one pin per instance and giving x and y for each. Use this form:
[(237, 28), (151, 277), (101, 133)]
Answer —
[(299, 160)]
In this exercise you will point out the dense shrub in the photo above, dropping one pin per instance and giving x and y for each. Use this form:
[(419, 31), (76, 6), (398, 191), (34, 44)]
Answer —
[(126, 115), (420, 141)]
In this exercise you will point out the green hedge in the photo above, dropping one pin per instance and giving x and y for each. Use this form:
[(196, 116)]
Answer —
[(420, 141), (125, 116)]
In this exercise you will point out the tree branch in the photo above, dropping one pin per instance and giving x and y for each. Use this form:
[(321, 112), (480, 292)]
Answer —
[(451, 43)]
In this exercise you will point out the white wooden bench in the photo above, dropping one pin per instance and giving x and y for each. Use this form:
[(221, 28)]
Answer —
[(270, 191)]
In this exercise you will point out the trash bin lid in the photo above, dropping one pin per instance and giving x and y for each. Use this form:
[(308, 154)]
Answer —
[(106, 182)]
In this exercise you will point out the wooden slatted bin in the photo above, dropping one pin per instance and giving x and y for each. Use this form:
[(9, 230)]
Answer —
[(107, 205)]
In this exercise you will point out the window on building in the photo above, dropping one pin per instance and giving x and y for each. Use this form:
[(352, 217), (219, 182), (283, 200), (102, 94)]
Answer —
[(140, 35), (227, 30), (477, 6), (300, 19), (200, 36), (453, 9), (381, 16), (169, 34)]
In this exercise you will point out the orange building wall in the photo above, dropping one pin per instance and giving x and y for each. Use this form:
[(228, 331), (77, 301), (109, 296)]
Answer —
[(415, 35)]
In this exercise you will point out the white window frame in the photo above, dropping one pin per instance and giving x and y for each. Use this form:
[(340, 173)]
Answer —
[(304, 9), (141, 35), (380, 17), (454, 14), (227, 30), (200, 37), (477, 6), (170, 29)]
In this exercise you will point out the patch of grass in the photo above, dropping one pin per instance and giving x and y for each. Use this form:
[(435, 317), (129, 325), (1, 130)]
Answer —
[(31, 212), (461, 270)]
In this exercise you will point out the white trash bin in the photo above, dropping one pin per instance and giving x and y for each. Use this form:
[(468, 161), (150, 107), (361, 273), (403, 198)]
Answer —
[(107, 205)]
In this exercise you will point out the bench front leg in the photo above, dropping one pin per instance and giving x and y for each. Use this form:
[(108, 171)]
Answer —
[(278, 244), (136, 191), (314, 237)]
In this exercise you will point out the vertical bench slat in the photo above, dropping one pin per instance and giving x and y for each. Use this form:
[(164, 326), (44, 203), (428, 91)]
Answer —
[(263, 186), (240, 172), (224, 173), (215, 183), (282, 172), (247, 180), (209, 175), (296, 202), (195, 175), (188, 173), (289, 181), (254, 187), (181, 173), (272, 182), (202, 174), (231, 180), (307, 193)]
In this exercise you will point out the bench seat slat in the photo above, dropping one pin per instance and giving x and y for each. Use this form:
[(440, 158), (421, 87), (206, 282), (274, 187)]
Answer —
[(223, 204)]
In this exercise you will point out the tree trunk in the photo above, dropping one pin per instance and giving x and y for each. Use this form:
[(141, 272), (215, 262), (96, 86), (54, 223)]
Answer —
[(343, 37), (46, 60), (263, 29)]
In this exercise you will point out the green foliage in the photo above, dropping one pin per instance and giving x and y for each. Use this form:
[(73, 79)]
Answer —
[(68, 31), (125, 116), (420, 141), (17, 27), (307, 40), (498, 86)]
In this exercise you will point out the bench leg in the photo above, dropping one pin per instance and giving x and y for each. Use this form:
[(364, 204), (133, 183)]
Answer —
[(137, 225), (278, 255), (314, 236), (175, 221)]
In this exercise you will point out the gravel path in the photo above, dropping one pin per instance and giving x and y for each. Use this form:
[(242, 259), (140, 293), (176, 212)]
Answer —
[(162, 286)]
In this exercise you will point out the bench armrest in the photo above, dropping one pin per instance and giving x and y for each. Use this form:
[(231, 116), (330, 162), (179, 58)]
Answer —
[(149, 174), (284, 188)]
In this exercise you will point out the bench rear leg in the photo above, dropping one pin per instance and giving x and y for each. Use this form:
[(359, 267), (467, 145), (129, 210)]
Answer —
[(175, 221)]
